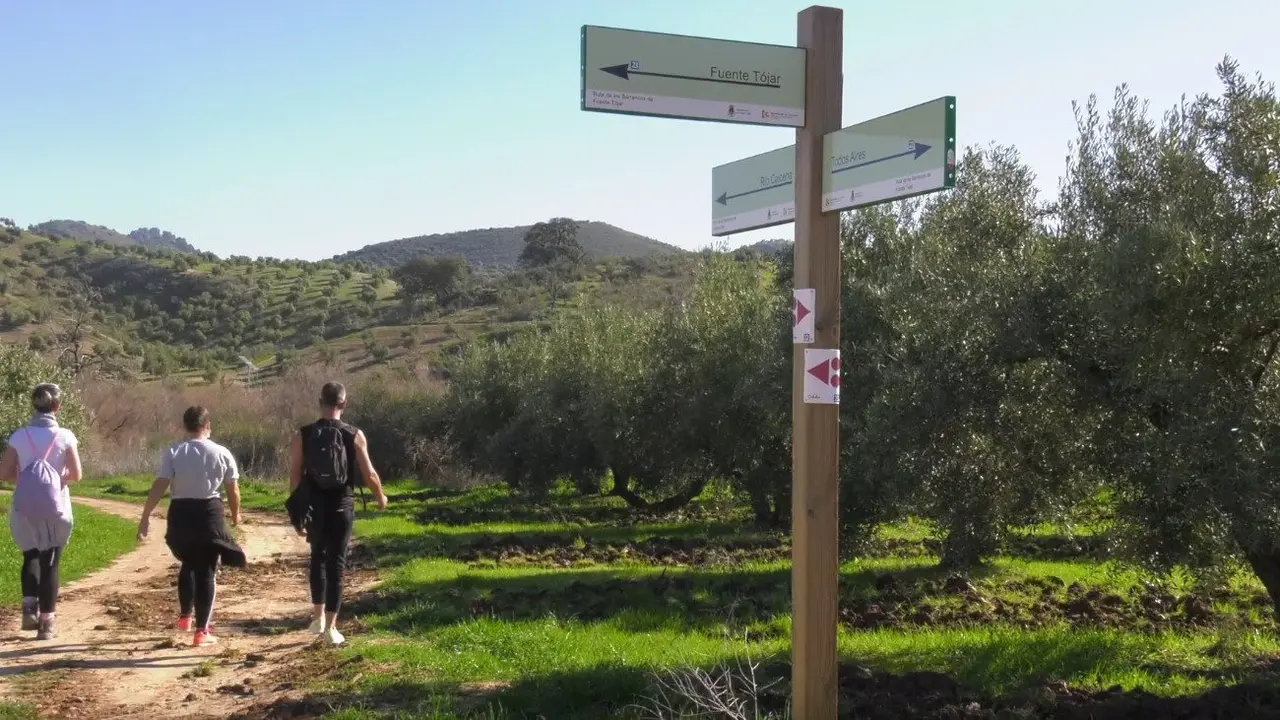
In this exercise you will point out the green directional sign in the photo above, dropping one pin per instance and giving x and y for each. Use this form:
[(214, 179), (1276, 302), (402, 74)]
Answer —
[(645, 73), (754, 192), (895, 156)]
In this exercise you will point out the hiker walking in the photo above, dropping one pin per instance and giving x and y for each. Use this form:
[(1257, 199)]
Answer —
[(329, 458), (43, 460), (194, 472)]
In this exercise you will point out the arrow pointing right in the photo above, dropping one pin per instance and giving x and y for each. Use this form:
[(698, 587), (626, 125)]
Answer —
[(917, 149), (801, 311)]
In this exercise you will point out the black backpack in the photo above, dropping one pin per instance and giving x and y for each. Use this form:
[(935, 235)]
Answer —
[(325, 458)]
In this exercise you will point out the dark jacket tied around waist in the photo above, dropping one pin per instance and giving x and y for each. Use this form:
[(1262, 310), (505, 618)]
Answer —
[(196, 526)]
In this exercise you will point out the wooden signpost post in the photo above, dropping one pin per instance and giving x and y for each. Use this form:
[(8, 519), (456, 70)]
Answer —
[(829, 169)]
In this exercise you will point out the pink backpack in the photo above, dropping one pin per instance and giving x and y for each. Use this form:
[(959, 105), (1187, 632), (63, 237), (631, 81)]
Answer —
[(39, 492)]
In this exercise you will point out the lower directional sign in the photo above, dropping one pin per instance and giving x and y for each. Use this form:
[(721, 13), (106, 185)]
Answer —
[(754, 192), (895, 156)]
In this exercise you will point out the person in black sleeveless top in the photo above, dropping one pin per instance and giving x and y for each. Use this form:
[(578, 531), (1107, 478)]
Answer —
[(331, 475)]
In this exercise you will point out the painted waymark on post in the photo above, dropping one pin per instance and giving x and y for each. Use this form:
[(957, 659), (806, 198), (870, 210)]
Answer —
[(906, 153), (646, 73), (755, 192)]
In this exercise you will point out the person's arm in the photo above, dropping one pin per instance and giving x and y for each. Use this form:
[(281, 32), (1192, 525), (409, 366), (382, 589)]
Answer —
[(71, 469), (233, 499), (231, 479), (366, 468), (158, 489), (9, 465), (295, 462)]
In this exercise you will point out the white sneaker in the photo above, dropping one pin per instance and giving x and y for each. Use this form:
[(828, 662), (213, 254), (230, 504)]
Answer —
[(333, 637), (317, 626)]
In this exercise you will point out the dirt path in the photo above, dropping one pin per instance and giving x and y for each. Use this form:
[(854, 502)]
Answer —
[(119, 654)]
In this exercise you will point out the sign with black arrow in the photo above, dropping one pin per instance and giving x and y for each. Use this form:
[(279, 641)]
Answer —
[(906, 153), (646, 73), (753, 193)]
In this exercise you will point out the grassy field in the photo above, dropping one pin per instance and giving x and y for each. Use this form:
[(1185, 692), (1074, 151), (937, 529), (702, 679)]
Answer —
[(266, 497), (98, 539), (492, 606)]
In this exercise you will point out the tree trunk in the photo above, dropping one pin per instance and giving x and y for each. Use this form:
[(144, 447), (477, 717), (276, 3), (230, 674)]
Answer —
[(1266, 566), (622, 489)]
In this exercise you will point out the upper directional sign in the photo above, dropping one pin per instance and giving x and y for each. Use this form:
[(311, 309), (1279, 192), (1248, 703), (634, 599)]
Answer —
[(755, 192), (895, 156), (644, 73)]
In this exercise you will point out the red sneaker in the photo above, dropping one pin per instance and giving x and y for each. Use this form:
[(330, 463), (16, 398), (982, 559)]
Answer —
[(184, 623), (204, 637)]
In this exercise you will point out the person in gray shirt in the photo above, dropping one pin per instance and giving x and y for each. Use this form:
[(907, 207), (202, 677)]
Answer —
[(194, 472)]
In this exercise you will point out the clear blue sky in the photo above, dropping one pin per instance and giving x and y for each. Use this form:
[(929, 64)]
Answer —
[(304, 128)]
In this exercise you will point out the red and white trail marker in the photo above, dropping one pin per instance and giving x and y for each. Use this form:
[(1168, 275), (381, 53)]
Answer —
[(802, 330), (822, 376)]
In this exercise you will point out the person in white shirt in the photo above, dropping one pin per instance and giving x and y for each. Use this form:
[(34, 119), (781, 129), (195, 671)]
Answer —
[(43, 539), (194, 472)]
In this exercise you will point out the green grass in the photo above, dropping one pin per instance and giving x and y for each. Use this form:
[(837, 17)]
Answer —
[(495, 606), (254, 495), (547, 629), (17, 711), (98, 539)]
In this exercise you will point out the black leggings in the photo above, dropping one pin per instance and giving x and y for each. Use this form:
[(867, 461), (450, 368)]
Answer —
[(40, 576), (332, 536), (197, 586)]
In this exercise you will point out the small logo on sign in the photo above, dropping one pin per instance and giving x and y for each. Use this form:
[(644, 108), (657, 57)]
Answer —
[(634, 65)]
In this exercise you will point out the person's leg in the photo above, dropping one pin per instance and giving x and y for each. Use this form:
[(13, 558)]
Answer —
[(338, 540), (186, 595), (30, 589), (317, 577), (49, 561), (206, 578)]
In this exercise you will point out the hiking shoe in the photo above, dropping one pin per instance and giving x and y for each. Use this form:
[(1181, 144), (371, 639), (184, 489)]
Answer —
[(317, 626), (204, 637), (184, 623), (333, 637), (48, 630), (30, 620)]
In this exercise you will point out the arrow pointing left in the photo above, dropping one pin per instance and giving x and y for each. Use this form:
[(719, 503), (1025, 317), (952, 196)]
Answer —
[(625, 72), (725, 197)]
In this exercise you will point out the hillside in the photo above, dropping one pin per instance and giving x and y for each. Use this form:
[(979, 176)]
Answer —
[(500, 247), (84, 232), (153, 313)]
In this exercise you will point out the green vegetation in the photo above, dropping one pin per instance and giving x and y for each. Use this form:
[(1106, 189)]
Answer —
[(137, 309), (98, 539), (496, 606), (17, 711), (1007, 361), (261, 496), (20, 371)]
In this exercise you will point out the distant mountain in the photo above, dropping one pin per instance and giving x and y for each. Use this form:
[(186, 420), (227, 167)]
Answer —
[(500, 247), (156, 238), (84, 232), (775, 246)]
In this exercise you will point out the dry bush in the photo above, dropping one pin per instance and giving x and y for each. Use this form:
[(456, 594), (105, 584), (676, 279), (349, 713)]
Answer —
[(723, 693), (400, 411)]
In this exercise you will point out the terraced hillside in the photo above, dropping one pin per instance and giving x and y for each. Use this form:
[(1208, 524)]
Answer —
[(156, 313), (170, 311)]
